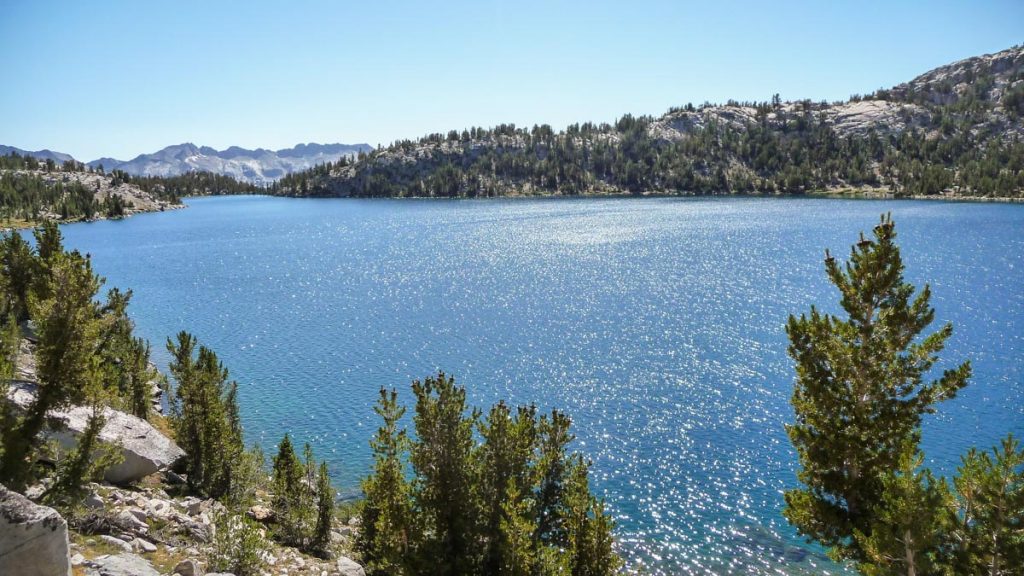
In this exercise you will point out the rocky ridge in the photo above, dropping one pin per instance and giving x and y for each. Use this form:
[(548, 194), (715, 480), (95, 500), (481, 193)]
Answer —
[(968, 106), (103, 186), (259, 166)]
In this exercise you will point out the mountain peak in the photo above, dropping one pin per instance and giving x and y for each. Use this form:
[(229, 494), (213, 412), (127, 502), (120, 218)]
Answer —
[(259, 166)]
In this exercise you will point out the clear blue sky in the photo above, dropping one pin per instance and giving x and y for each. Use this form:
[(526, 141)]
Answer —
[(122, 78)]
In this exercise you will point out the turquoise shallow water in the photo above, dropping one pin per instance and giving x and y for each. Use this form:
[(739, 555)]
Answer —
[(656, 323)]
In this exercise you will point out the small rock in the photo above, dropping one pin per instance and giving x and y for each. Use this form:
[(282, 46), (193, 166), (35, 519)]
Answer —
[(93, 501), (77, 560), (159, 507), (349, 567), (122, 565), (201, 532), (139, 514), (129, 522), (140, 545), (189, 568), (260, 513), (197, 506), (117, 542)]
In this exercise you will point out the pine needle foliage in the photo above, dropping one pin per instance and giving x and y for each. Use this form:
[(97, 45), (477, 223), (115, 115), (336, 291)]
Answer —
[(472, 494)]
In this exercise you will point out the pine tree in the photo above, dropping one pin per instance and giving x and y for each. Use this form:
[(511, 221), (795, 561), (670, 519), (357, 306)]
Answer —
[(17, 266), (514, 548), (137, 376), (588, 528), (476, 502), (125, 358), (505, 465), (442, 459), (553, 472), (386, 534), (291, 503), (908, 527), (10, 339), (324, 513), (204, 414), (860, 392), (86, 462), (988, 529), (67, 330)]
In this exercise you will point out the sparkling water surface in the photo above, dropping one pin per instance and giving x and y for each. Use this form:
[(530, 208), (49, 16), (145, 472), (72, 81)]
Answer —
[(658, 324)]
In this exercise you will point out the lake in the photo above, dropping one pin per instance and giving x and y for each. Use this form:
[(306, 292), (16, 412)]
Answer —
[(657, 324)]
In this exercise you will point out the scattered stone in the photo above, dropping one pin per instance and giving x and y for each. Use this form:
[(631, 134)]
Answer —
[(139, 514), (173, 478), (130, 523), (140, 545), (159, 507), (198, 531), (116, 542), (35, 492), (77, 560), (196, 506), (349, 567), (126, 564), (93, 501), (261, 513), (188, 568), (33, 538)]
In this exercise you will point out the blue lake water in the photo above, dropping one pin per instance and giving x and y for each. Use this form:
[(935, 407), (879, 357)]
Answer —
[(658, 324)]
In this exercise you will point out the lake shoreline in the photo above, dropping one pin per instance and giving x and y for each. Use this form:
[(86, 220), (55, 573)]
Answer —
[(846, 194), (824, 195)]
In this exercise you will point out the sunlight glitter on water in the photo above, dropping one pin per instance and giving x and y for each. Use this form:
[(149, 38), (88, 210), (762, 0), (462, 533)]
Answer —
[(656, 323)]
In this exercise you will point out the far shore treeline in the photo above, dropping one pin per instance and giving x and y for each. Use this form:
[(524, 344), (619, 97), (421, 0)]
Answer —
[(955, 132)]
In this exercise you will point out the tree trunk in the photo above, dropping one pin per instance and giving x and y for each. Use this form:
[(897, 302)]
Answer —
[(908, 542)]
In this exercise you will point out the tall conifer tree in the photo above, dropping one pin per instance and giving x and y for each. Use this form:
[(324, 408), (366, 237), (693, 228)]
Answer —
[(386, 534), (860, 391)]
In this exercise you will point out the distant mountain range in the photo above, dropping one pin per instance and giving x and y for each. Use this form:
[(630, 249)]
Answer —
[(57, 157), (259, 166)]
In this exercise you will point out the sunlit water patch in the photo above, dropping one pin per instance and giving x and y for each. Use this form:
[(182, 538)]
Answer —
[(657, 323)]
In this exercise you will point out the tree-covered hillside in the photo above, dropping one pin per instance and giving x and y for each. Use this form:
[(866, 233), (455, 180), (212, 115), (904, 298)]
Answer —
[(33, 189), (956, 130)]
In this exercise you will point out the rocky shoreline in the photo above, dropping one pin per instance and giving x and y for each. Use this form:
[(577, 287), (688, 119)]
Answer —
[(142, 520)]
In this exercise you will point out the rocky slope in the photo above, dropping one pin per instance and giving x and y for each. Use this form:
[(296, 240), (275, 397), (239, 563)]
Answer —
[(258, 166), (142, 521), (955, 130), (103, 186)]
